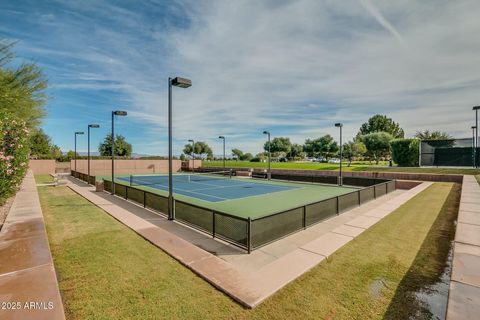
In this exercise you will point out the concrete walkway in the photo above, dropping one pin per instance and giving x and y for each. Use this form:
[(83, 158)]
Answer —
[(28, 283), (249, 279), (464, 295)]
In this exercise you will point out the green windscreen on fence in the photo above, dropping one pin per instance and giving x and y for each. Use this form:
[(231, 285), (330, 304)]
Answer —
[(319, 211), (347, 201), (195, 216), (231, 229), (136, 195), (156, 202), (367, 194), (270, 228)]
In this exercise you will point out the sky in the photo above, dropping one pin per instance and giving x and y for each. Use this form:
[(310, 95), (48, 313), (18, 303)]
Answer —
[(291, 67)]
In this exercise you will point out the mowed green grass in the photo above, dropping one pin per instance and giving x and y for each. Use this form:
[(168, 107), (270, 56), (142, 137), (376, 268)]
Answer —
[(356, 166), (106, 271)]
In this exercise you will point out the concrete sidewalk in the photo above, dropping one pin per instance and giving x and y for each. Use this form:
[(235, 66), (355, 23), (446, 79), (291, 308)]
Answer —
[(464, 295), (248, 278), (28, 283)]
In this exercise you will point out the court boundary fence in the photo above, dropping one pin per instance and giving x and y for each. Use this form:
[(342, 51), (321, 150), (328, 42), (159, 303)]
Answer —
[(247, 233)]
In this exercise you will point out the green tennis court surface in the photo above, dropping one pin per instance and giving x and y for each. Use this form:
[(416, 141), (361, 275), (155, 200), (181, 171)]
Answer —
[(259, 198)]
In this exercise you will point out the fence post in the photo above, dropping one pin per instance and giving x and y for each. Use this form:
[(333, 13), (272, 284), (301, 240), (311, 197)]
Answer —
[(359, 202), (249, 235), (213, 224), (386, 187), (304, 217), (144, 199), (338, 206), (126, 193), (374, 192)]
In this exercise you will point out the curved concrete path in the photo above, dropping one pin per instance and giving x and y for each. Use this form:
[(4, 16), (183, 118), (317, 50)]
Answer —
[(248, 278), (28, 283)]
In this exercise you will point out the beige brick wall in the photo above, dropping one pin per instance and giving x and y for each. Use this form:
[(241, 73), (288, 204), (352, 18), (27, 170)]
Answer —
[(103, 167), (42, 166)]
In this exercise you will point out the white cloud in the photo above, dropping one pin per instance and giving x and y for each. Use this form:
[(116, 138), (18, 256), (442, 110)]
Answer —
[(294, 67)]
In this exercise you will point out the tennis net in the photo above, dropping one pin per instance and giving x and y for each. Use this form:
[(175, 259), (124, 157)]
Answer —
[(145, 180)]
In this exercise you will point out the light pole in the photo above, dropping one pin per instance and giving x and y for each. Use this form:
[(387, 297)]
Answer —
[(473, 144), (223, 138), (88, 155), (193, 154), (75, 155), (476, 108), (181, 83), (269, 172), (114, 113), (340, 177)]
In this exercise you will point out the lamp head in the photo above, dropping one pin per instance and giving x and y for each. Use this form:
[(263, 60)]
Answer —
[(221, 137), (191, 141), (181, 82), (476, 108), (120, 113), (338, 125), (79, 132), (94, 125), (266, 132), (474, 127)]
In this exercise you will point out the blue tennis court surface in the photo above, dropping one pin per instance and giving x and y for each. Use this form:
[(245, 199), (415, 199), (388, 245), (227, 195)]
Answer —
[(208, 188)]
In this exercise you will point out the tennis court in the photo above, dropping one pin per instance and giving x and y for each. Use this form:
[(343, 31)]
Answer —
[(213, 187), (242, 197), (246, 212)]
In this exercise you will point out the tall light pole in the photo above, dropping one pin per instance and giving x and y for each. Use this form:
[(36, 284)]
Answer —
[(473, 145), (93, 125), (223, 138), (193, 153), (114, 113), (75, 155), (181, 83), (340, 177), (269, 172), (476, 108)]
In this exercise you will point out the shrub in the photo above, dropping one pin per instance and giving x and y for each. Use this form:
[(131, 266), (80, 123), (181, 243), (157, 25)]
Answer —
[(405, 152), (14, 150)]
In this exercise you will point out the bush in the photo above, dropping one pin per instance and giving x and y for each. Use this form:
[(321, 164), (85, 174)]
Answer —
[(14, 150), (405, 152)]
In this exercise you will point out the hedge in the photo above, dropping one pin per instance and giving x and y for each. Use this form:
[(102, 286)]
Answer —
[(14, 150), (405, 152)]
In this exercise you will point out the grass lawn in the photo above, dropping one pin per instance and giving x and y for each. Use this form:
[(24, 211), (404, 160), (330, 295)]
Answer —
[(107, 271), (43, 178), (356, 166)]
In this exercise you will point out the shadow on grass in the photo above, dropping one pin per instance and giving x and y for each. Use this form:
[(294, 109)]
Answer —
[(428, 267)]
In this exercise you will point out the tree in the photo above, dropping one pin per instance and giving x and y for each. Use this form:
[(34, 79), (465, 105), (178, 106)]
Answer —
[(279, 146), (296, 151), (122, 147), (353, 149), (377, 144), (237, 153), (21, 88), (405, 152), (380, 123), (432, 135), (40, 144), (324, 146), (199, 148), (246, 156)]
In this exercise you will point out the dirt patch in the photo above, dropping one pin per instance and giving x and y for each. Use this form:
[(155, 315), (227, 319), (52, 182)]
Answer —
[(5, 209)]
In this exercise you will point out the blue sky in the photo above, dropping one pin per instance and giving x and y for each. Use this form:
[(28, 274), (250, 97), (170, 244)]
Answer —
[(291, 67)]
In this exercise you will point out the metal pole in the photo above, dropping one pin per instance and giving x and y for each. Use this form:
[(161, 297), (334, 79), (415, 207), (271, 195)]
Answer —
[(269, 174), (473, 145), (88, 154), (170, 162), (476, 136), (341, 149), (193, 155), (113, 153), (75, 153)]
